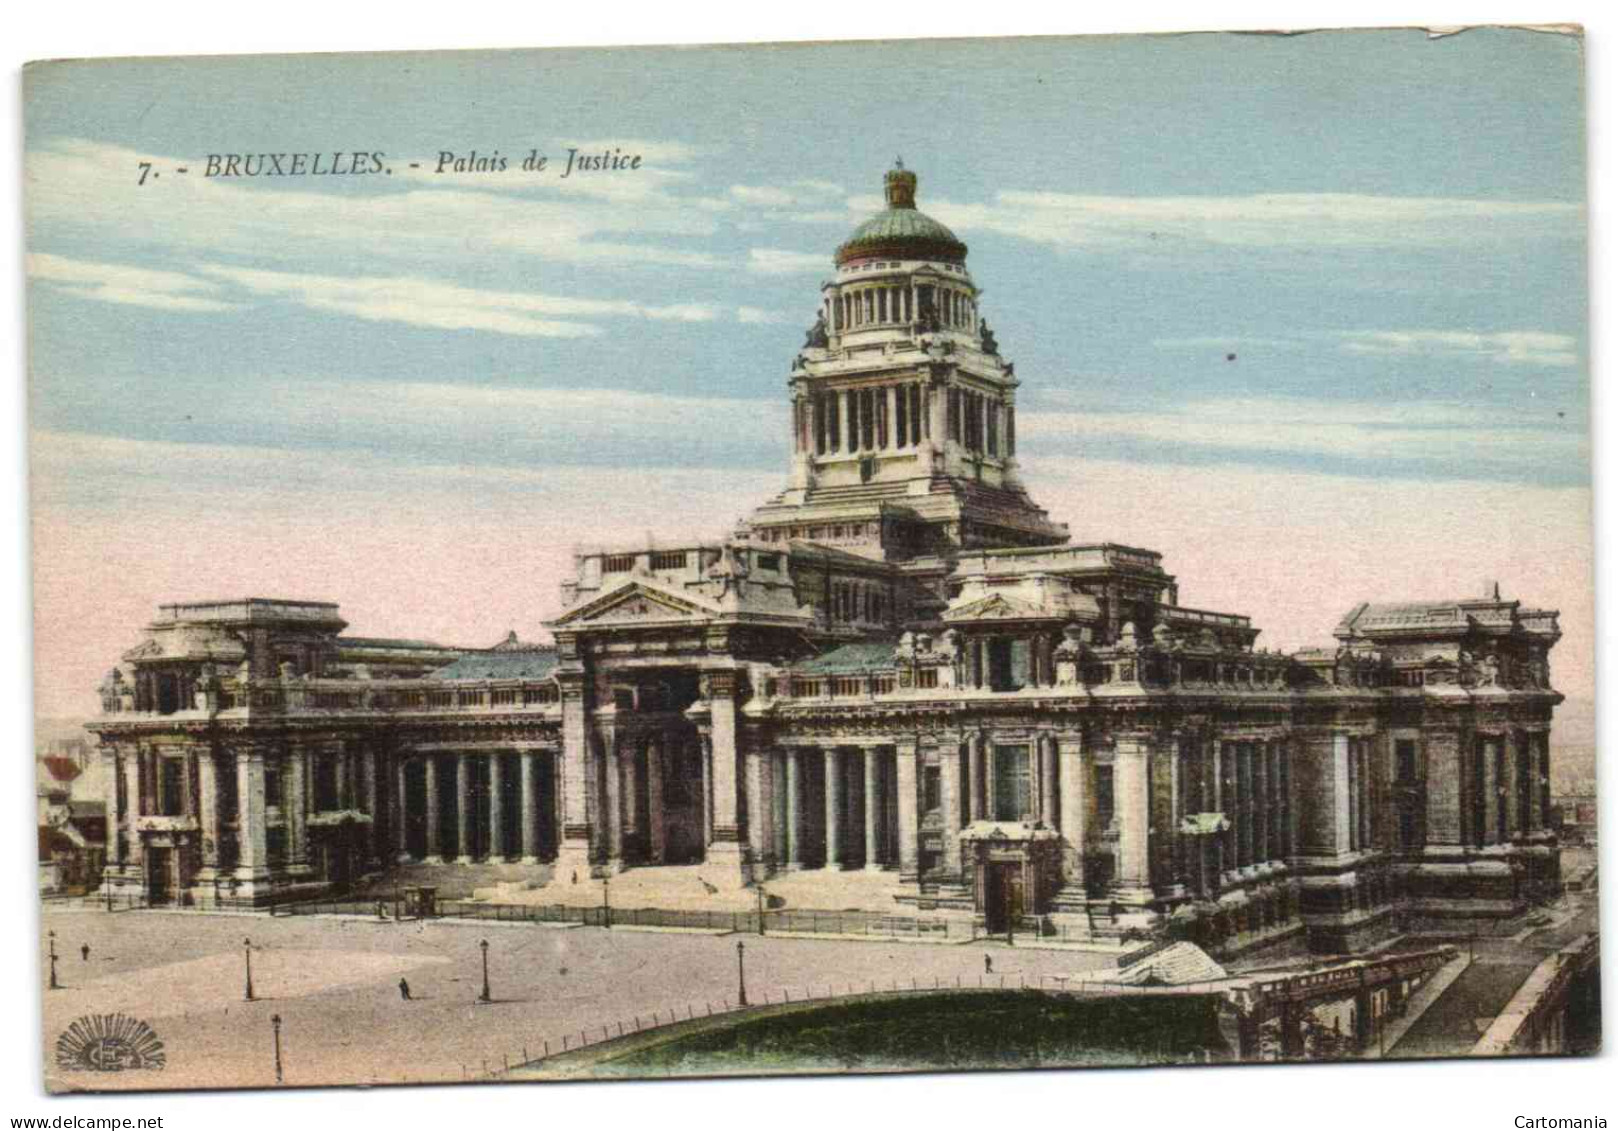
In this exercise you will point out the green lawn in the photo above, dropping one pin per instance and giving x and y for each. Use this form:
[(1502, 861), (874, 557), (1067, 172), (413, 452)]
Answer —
[(1007, 1029)]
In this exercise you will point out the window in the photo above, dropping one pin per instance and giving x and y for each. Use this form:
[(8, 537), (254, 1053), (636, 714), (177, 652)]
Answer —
[(1404, 753), (326, 793), (1105, 810), (669, 559), (768, 561), (171, 786), (617, 563), (1013, 799), (931, 790)]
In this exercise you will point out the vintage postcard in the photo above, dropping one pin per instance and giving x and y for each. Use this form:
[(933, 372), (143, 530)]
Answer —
[(861, 557)]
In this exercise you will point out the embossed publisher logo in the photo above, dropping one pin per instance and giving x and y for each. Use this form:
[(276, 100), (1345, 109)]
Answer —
[(109, 1042)]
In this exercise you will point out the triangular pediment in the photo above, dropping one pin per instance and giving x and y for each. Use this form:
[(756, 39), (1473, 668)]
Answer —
[(997, 607), (144, 651), (633, 603)]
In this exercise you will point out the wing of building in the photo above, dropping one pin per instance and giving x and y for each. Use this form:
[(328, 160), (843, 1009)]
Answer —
[(898, 663)]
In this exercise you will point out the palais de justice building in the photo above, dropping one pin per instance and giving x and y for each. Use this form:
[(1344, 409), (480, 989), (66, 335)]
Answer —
[(899, 663)]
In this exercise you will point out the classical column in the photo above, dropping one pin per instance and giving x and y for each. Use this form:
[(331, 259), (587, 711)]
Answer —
[(573, 847), (133, 808), (974, 777), (872, 863), (116, 821), (794, 828), (1244, 804), (1046, 751), (1070, 758), (988, 758), (834, 803), (905, 755), (497, 808), (612, 771), (705, 757), (252, 854), (396, 809), (372, 790), (528, 806), (297, 807), (463, 809), (630, 764), (725, 846), (949, 799), (1510, 782), (759, 805), (1444, 767), (207, 814), (1261, 802), (1490, 753), (656, 827), (1132, 784), (435, 824), (1542, 740)]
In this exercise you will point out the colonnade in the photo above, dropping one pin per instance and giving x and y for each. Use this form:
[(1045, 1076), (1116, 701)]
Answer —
[(472, 806), (832, 807)]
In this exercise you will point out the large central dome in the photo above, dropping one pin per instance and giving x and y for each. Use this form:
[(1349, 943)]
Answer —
[(900, 231)]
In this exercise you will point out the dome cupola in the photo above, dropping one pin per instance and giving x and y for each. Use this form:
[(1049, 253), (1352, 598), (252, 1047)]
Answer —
[(900, 231)]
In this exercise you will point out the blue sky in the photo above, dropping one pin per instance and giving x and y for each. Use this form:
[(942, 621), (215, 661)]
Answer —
[(1386, 230)]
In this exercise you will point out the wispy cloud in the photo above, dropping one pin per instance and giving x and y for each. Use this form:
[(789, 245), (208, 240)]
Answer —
[(1443, 440), (130, 286), (780, 261), (752, 315), (1234, 341), (1271, 220), (1516, 347), (445, 306), (794, 194)]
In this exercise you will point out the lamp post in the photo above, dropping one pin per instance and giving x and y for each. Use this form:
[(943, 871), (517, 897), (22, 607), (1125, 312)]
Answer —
[(741, 974), (606, 902), (275, 1024), (483, 945), (54, 984), (247, 955), (761, 899)]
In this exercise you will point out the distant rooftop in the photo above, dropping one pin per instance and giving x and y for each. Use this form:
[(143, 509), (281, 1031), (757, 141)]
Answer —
[(263, 609), (502, 664)]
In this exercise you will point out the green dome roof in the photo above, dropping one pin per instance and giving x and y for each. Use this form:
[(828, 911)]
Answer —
[(900, 231)]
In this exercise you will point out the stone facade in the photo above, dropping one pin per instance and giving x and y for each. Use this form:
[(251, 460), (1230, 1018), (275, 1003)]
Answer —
[(899, 663)]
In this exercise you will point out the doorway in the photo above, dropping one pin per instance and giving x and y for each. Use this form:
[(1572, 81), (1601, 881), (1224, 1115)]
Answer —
[(1002, 895), (159, 874)]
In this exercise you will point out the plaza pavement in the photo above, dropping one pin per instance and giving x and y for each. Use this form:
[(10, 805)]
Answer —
[(334, 983)]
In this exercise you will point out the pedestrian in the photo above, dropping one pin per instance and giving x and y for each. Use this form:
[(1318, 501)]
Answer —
[(84, 952), (404, 989), (988, 964), (381, 910)]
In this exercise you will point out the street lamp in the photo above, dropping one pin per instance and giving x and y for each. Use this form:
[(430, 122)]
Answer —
[(761, 898), (54, 984), (483, 944), (247, 954), (606, 901), (275, 1024), (741, 974)]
